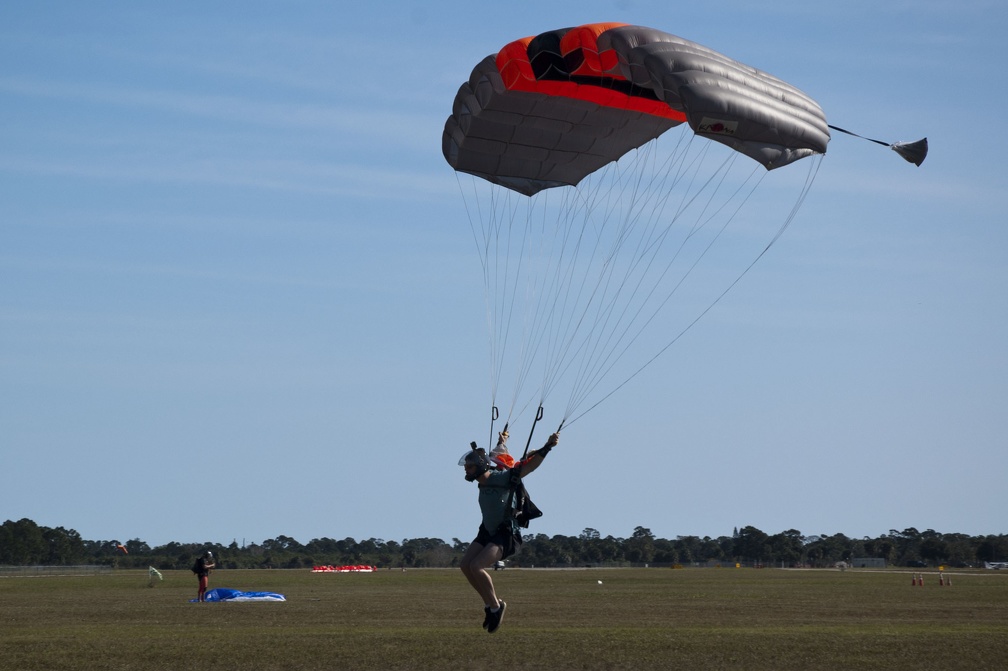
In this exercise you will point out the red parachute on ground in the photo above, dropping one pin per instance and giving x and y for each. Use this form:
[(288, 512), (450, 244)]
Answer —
[(350, 568)]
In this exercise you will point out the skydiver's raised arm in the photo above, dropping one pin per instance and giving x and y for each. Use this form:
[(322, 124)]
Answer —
[(533, 460)]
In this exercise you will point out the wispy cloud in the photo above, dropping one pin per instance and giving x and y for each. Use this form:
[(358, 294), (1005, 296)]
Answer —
[(293, 176), (335, 119)]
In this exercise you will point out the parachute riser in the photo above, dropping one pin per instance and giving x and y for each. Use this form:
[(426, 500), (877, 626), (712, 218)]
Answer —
[(539, 416), (494, 415), (912, 152)]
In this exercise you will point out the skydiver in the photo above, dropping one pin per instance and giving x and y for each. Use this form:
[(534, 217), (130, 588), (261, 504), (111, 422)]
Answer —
[(498, 537), (202, 571)]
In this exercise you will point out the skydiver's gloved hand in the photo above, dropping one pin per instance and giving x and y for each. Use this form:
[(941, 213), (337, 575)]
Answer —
[(499, 455), (550, 444)]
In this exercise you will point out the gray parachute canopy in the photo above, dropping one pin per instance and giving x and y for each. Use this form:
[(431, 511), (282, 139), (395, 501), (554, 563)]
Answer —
[(549, 110)]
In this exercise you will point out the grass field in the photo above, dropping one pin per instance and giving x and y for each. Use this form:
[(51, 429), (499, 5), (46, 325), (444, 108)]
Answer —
[(562, 619)]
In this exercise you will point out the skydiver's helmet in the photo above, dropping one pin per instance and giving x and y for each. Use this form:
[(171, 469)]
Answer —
[(476, 456)]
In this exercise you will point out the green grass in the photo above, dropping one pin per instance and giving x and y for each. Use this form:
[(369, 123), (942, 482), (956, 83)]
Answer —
[(430, 619)]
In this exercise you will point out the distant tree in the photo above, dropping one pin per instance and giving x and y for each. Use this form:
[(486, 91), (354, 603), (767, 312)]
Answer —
[(64, 546), (426, 552), (390, 554), (321, 546), (786, 547), (824, 551), (839, 548), (907, 544), (882, 548), (640, 547), (687, 549), (282, 544), (992, 548), (709, 550), (6, 542), (727, 546), (665, 551), (537, 550), (751, 544), (612, 549), (592, 549), (934, 549), (23, 543), (960, 550)]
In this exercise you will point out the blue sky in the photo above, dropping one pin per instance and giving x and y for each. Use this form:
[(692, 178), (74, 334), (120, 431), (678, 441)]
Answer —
[(239, 296)]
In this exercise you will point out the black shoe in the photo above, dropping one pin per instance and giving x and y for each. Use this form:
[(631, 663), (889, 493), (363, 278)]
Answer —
[(496, 618), (486, 620)]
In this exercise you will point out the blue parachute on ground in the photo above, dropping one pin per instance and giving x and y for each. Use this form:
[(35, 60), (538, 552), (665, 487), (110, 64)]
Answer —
[(221, 594)]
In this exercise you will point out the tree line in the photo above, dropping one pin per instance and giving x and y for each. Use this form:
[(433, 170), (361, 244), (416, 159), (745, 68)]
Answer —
[(24, 543)]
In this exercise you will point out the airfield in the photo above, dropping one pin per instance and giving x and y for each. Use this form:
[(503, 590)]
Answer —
[(634, 618)]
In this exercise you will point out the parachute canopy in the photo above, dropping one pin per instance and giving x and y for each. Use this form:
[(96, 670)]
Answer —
[(348, 568), (547, 111), (221, 594), (601, 209)]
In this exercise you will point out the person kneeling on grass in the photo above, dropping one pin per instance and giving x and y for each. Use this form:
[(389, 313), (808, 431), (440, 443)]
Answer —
[(498, 537)]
